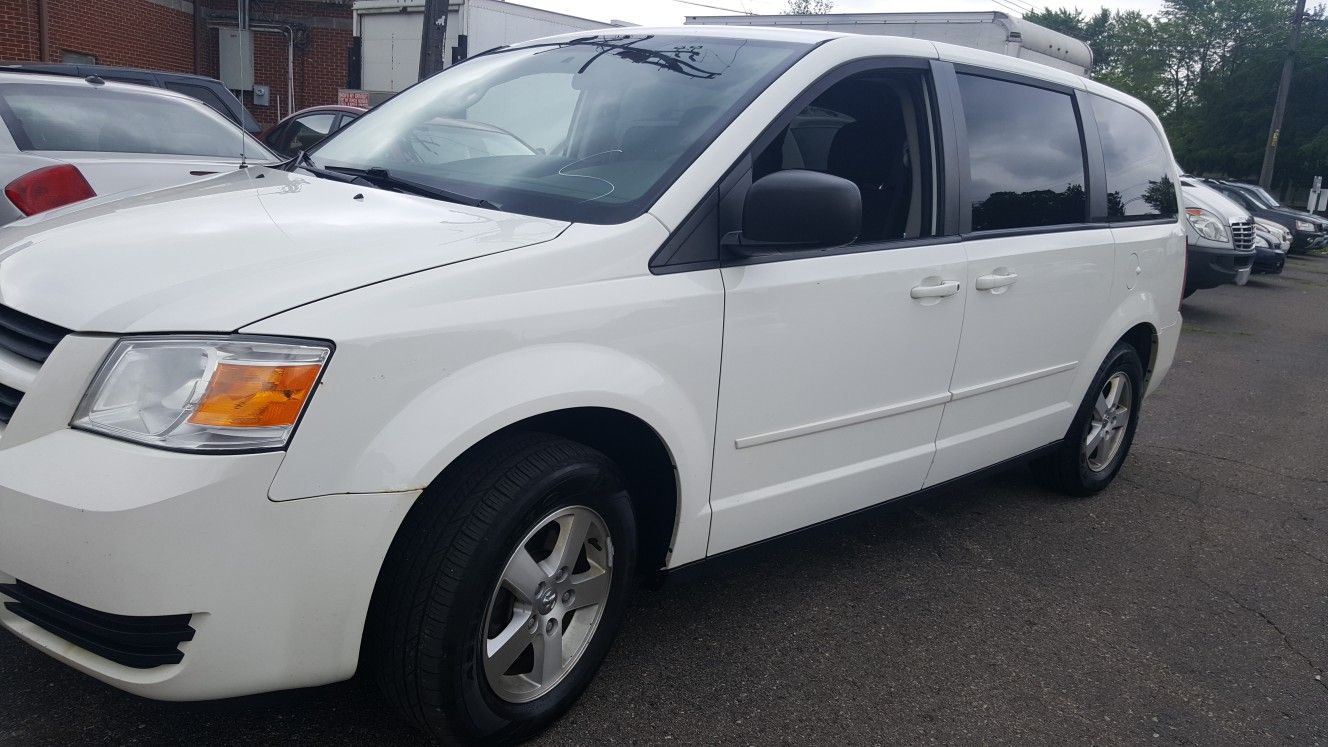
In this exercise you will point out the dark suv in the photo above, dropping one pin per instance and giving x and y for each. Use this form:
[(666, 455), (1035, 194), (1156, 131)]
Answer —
[(1308, 231), (208, 90)]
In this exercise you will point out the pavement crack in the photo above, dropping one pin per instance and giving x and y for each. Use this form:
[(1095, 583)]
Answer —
[(1311, 555), (1286, 639), (1229, 460)]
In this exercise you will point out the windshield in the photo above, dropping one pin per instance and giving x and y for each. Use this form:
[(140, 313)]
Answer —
[(110, 119), (1242, 198), (1265, 197), (587, 130), (1253, 197)]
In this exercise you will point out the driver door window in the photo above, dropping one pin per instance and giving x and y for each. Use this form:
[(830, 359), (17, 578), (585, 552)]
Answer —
[(875, 130)]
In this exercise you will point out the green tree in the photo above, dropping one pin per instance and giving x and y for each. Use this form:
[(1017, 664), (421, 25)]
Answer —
[(809, 7), (1209, 68)]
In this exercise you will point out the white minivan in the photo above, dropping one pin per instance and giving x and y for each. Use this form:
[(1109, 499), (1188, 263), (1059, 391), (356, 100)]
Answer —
[(573, 313)]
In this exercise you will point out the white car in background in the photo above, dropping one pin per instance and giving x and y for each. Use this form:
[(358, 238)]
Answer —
[(1282, 237), (67, 139)]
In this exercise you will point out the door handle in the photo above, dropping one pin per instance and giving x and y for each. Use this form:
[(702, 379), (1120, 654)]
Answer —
[(938, 289), (991, 282)]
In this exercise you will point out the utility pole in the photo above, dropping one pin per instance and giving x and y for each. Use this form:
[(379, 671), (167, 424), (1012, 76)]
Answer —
[(1283, 89), (433, 41)]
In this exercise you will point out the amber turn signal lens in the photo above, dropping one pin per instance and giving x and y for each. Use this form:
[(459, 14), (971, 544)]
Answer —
[(255, 396)]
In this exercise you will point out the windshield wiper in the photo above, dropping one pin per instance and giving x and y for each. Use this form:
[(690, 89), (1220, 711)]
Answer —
[(301, 160), (382, 178)]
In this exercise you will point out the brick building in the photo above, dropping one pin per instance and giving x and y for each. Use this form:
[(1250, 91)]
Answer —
[(310, 36)]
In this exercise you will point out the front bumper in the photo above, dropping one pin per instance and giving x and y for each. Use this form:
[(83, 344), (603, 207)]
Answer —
[(1304, 240), (1269, 260), (276, 593), (1210, 267)]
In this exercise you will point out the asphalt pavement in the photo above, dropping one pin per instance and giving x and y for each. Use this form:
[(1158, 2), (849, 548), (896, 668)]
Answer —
[(1187, 604)]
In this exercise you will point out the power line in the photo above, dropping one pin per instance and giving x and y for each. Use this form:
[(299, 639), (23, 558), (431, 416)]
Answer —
[(716, 7)]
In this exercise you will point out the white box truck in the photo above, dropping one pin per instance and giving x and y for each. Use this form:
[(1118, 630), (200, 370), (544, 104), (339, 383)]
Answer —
[(388, 35), (990, 31)]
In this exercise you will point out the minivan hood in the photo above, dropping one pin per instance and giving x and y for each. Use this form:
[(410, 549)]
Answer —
[(215, 255)]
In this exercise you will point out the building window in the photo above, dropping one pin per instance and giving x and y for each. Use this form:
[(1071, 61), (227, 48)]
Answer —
[(77, 58)]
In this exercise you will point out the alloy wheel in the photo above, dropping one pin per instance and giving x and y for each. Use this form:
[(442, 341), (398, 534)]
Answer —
[(547, 603), (1109, 423)]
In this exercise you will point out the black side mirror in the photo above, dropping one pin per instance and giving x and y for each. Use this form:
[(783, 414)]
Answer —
[(797, 210)]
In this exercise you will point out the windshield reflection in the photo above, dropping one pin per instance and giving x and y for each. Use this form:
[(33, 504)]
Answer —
[(587, 129)]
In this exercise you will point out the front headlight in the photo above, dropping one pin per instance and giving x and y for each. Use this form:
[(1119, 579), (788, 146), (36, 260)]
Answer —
[(1208, 225), (1304, 225), (203, 393)]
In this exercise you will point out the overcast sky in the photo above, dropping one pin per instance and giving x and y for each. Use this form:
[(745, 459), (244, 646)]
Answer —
[(671, 12)]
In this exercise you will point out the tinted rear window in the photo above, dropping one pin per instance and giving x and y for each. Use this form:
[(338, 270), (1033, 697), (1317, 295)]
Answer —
[(1026, 160), (1138, 183), (204, 94), (112, 120)]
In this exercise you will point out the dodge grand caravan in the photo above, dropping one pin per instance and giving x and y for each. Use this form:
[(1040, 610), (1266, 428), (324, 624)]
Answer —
[(433, 395)]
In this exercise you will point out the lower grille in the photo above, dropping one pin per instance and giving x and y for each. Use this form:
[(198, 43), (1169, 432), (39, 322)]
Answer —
[(1242, 234), (138, 642), (9, 399), (1241, 263)]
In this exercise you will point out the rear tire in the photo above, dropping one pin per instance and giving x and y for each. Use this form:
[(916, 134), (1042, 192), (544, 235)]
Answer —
[(452, 604), (1100, 436)]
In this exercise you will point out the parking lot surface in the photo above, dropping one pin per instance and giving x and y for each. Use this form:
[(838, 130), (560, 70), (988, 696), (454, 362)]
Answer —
[(1186, 604)]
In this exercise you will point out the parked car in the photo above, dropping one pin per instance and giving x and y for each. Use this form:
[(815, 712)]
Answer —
[(1308, 231), (1276, 242), (306, 128), (208, 90), (1269, 257), (1282, 238), (1219, 239), (1264, 197), (437, 416), (67, 139)]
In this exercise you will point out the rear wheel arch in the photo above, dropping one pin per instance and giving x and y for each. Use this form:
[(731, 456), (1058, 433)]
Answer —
[(1143, 338)]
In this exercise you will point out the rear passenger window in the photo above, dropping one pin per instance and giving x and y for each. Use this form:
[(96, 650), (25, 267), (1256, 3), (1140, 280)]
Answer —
[(204, 94), (1138, 185), (1026, 158), (873, 129)]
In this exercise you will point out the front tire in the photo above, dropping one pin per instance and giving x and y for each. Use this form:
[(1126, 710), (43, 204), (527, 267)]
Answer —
[(1100, 436), (503, 590)]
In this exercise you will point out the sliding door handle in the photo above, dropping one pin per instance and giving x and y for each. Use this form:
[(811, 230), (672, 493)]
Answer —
[(994, 281), (938, 289)]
